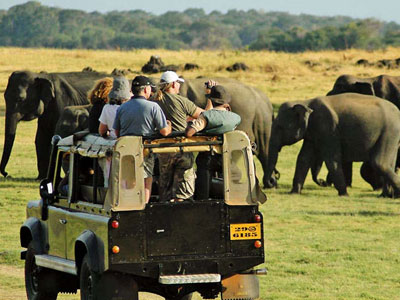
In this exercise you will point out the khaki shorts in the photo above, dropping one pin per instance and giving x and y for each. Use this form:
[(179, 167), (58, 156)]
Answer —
[(177, 176), (148, 164)]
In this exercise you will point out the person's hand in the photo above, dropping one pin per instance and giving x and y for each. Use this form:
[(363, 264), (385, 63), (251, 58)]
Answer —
[(226, 106), (209, 85)]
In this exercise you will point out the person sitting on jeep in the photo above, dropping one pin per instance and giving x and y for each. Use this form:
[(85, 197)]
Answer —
[(176, 169), (141, 117), (217, 120), (120, 93)]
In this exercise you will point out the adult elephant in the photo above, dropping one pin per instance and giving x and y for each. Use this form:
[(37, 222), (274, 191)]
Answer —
[(251, 104), (41, 96), (339, 129), (382, 86)]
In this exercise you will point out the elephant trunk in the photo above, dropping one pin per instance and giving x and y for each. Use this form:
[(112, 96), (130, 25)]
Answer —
[(274, 148), (9, 137)]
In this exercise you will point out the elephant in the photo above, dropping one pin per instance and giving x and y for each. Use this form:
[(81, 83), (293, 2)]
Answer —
[(339, 129), (383, 86), (73, 119), (42, 96), (251, 104)]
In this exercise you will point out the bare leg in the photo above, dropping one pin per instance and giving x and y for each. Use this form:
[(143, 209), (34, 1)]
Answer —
[(147, 188)]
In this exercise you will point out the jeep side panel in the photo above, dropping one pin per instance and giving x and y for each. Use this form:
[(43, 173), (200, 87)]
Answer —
[(77, 224)]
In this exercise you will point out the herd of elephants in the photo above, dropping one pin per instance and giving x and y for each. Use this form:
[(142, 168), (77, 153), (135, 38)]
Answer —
[(358, 120)]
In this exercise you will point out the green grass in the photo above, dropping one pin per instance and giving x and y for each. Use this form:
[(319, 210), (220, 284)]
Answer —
[(318, 245)]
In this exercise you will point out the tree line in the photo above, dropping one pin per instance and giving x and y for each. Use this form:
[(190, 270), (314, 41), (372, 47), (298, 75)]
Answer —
[(35, 25)]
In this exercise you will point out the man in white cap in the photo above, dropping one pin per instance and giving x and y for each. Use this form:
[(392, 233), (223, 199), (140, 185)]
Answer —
[(176, 169)]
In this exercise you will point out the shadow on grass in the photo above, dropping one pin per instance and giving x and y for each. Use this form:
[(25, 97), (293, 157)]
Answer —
[(19, 179), (362, 213), (10, 182)]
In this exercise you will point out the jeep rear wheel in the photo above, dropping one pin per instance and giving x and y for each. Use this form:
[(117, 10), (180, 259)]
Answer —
[(89, 280), (34, 290)]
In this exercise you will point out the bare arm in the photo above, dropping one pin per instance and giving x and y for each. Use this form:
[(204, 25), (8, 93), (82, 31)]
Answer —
[(190, 131), (197, 112), (209, 105), (103, 129), (166, 130), (209, 85)]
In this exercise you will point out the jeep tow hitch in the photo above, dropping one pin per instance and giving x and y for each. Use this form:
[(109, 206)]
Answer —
[(262, 271)]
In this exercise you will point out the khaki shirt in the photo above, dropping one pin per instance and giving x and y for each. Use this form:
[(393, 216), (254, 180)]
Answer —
[(176, 108)]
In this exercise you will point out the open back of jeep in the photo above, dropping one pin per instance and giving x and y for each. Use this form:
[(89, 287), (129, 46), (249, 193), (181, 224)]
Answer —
[(169, 248)]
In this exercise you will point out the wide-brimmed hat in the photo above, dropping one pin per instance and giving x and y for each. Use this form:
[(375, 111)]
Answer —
[(219, 95), (120, 89), (170, 76)]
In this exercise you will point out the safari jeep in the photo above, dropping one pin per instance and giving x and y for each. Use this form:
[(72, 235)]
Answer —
[(111, 244)]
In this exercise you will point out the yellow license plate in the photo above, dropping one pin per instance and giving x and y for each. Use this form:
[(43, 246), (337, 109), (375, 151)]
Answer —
[(247, 231)]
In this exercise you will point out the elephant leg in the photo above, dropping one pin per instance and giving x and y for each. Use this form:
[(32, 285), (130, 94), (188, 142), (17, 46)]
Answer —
[(303, 164), (333, 160), (348, 172), (263, 158), (329, 179), (369, 174), (43, 149), (385, 164), (315, 169)]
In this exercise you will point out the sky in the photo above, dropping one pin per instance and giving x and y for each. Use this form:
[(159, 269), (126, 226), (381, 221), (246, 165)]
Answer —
[(384, 10)]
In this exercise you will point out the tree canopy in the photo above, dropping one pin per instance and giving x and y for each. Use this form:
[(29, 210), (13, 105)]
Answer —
[(34, 25)]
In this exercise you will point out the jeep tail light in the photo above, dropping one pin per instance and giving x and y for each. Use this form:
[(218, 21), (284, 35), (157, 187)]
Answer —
[(257, 218), (115, 249), (257, 244), (115, 224)]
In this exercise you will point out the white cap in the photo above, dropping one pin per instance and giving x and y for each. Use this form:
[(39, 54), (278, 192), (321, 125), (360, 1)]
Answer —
[(170, 76)]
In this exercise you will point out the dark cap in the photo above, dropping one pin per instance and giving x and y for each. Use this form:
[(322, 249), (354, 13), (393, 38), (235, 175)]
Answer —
[(141, 81), (219, 95)]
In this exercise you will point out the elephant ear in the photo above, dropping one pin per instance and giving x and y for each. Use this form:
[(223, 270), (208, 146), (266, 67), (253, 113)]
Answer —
[(365, 88), (303, 114), (46, 89)]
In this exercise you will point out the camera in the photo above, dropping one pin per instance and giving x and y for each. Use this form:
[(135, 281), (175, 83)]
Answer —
[(207, 84)]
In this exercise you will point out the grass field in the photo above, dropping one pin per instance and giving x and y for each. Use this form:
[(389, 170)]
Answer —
[(318, 245)]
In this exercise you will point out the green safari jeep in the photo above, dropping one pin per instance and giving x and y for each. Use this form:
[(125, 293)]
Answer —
[(109, 243)]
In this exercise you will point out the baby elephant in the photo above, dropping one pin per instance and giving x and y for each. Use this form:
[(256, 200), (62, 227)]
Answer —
[(73, 119), (339, 129)]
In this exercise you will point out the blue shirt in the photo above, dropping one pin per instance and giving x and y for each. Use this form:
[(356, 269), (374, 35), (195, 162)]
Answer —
[(139, 117)]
